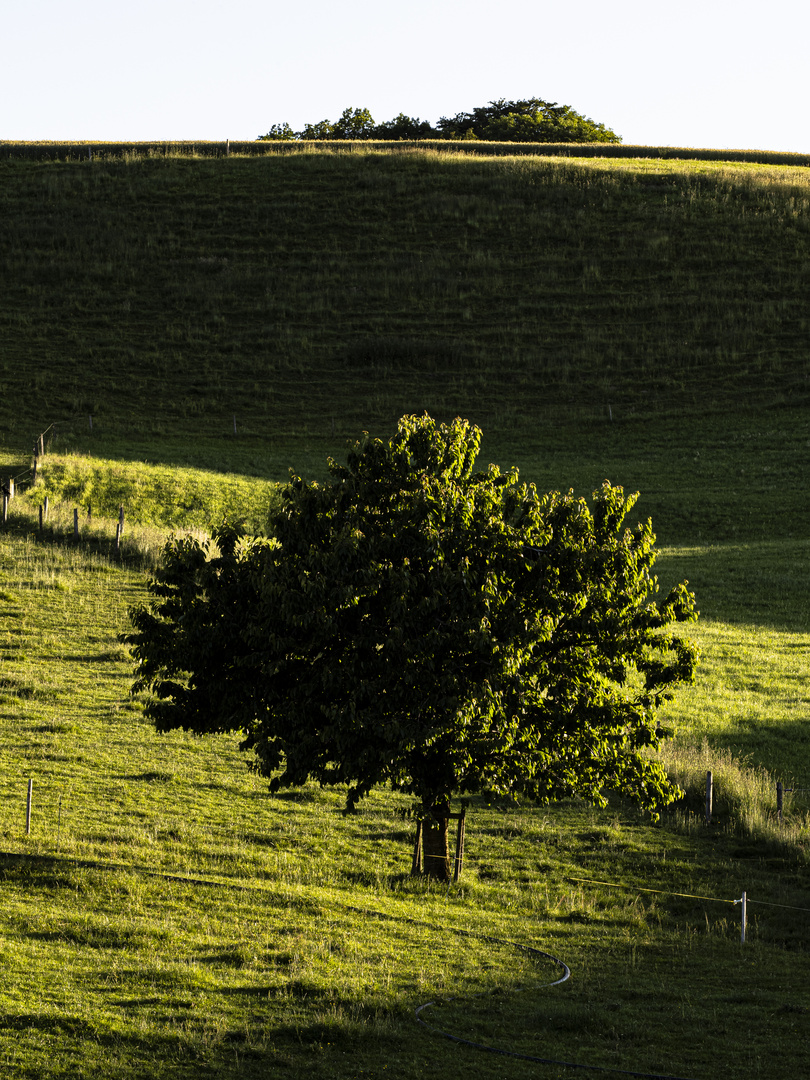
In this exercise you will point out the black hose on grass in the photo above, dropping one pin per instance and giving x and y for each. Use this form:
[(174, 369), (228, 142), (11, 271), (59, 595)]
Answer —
[(90, 863), (530, 1057)]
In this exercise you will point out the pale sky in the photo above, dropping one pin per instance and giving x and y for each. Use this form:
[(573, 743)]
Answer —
[(714, 73)]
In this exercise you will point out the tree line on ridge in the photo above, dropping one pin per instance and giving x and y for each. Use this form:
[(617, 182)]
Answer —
[(531, 120)]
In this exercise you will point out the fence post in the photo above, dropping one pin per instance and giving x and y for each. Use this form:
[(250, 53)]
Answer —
[(40, 517), (708, 797), (5, 507), (121, 519), (460, 844), (28, 808), (744, 903), (416, 866), (11, 487), (46, 504), (780, 797), (76, 523), (118, 538)]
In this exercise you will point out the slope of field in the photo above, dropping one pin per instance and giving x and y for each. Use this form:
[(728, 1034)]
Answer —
[(167, 918), (308, 294), (642, 321)]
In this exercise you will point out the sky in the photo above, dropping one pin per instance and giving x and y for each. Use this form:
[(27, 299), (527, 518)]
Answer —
[(715, 73)]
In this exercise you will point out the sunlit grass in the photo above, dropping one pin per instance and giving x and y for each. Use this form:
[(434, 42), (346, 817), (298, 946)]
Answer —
[(166, 496), (166, 917)]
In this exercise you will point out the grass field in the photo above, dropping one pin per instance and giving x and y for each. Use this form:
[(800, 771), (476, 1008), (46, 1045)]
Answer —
[(315, 292), (644, 321)]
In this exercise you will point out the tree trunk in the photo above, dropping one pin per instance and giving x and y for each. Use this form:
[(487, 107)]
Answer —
[(435, 843)]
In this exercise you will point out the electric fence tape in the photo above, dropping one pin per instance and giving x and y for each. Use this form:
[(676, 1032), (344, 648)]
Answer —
[(686, 896)]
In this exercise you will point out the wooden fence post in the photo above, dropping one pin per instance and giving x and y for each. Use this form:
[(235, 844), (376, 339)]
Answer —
[(40, 517), (744, 920), (121, 518), (76, 523), (708, 798), (11, 487), (780, 798), (118, 538), (46, 504), (460, 844), (416, 866), (5, 507)]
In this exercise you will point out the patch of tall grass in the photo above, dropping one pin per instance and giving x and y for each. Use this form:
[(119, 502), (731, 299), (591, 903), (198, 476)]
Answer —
[(166, 496), (744, 797), (99, 151), (51, 551)]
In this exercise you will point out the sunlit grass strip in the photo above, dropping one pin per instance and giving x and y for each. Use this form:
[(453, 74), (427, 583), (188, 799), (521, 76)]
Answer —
[(93, 149), (167, 496)]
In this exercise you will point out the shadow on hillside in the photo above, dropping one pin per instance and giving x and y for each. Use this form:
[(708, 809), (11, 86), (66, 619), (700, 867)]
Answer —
[(769, 747), (765, 583)]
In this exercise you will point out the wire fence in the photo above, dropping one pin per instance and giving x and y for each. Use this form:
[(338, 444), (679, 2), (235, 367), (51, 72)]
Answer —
[(743, 901)]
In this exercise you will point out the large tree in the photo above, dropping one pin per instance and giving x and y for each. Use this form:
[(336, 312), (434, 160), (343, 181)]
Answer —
[(530, 120), (417, 623)]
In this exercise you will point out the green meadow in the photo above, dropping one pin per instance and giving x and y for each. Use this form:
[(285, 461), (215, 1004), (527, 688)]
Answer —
[(184, 331)]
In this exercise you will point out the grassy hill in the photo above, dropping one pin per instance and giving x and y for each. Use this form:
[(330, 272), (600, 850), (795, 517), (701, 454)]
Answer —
[(294, 291), (223, 320)]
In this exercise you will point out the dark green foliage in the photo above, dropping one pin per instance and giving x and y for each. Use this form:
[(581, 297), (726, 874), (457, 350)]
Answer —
[(354, 124), (404, 127), (416, 623), (532, 120), (280, 133)]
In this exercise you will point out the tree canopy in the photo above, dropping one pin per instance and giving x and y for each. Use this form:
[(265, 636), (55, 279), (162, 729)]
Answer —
[(530, 120), (416, 623)]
